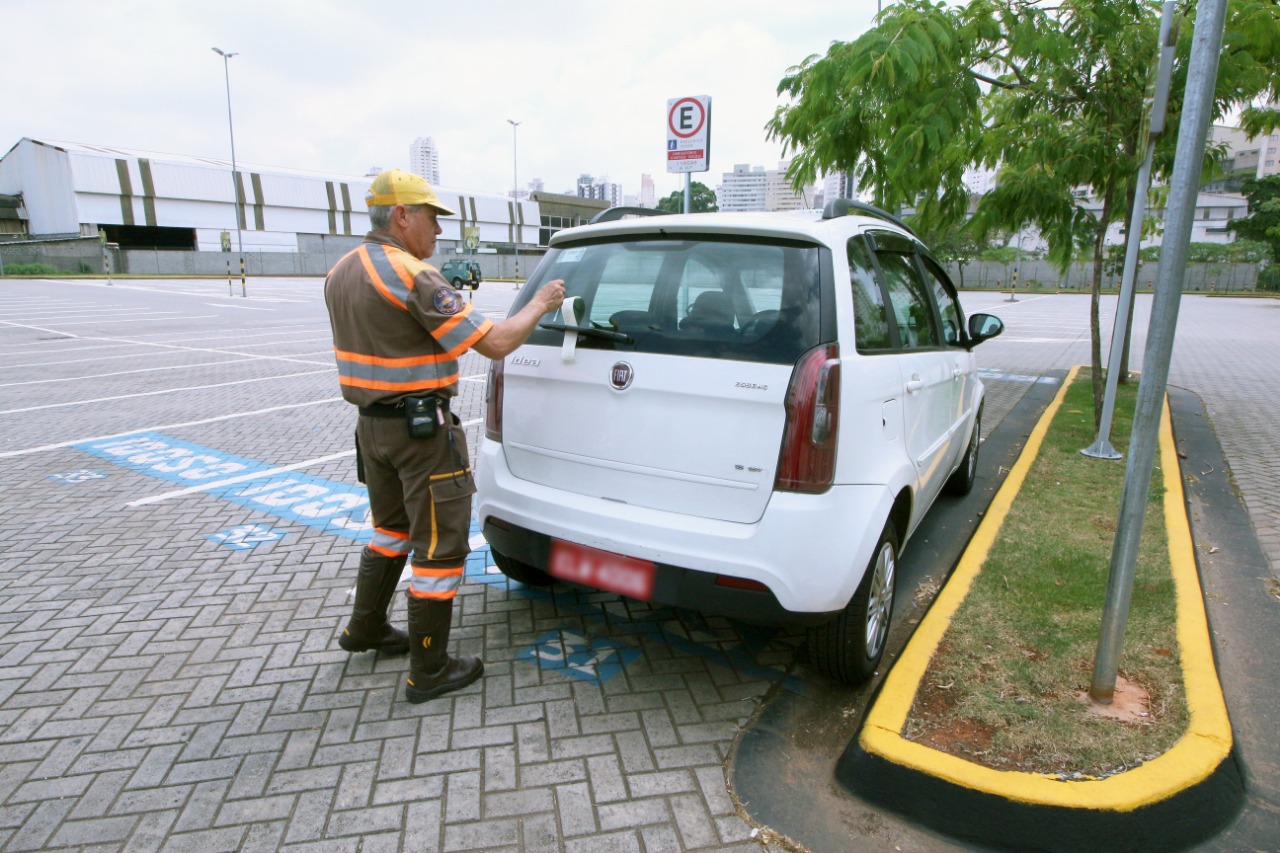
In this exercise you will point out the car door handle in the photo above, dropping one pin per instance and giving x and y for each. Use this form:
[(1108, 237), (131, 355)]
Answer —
[(914, 384)]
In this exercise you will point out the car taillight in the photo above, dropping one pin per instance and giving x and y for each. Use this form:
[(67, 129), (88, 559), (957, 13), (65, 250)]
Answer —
[(807, 460), (493, 401)]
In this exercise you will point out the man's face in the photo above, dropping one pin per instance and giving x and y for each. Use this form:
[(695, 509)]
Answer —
[(421, 230)]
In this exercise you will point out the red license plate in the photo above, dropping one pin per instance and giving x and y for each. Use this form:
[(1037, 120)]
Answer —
[(601, 569)]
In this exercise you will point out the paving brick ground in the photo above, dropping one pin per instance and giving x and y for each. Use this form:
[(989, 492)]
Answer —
[(169, 678)]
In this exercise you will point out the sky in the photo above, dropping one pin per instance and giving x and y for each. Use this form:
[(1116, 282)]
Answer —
[(340, 87)]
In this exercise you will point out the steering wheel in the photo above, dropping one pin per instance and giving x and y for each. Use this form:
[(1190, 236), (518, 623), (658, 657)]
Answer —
[(760, 322)]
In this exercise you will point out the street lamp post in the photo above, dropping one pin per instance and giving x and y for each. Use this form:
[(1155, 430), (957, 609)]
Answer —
[(235, 176), (515, 193)]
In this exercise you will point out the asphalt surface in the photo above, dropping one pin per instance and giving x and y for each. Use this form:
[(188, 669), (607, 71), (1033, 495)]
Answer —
[(169, 677)]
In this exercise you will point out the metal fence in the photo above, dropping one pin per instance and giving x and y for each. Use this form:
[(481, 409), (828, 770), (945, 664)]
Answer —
[(86, 255)]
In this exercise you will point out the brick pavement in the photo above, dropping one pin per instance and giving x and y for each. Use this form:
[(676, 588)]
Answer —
[(162, 690), (168, 673)]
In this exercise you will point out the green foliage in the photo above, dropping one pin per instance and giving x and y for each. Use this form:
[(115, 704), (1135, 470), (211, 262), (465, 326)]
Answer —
[(1051, 95), (1000, 254), (1269, 279), (702, 199), (1263, 223), (1239, 252), (30, 269)]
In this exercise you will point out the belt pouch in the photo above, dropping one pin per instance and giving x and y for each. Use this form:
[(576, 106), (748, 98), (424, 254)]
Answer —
[(421, 416)]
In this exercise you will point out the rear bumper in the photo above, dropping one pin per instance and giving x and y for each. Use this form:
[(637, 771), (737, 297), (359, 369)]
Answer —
[(810, 551), (673, 585)]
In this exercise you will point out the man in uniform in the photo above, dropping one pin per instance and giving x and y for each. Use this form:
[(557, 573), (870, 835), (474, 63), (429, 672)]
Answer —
[(398, 331)]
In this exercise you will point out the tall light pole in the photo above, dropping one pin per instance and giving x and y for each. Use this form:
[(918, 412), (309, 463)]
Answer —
[(235, 176), (515, 192)]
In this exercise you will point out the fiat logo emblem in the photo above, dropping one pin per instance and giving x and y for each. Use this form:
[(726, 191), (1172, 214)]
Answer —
[(620, 375)]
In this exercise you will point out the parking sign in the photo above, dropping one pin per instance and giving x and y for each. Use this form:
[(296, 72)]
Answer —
[(688, 134)]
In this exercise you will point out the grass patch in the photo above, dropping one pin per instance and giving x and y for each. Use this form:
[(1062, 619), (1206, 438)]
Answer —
[(1003, 688), (31, 269)]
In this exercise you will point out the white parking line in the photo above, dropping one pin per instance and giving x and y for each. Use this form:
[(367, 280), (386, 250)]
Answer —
[(166, 391), (162, 427), (231, 481), (123, 373), (174, 315)]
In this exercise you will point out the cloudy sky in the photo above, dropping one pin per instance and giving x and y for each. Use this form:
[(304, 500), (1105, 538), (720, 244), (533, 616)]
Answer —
[(340, 86)]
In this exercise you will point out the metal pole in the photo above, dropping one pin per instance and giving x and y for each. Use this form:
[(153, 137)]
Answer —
[(1197, 112), (235, 175), (688, 192), (1101, 448), (515, 194), (1017, 259)]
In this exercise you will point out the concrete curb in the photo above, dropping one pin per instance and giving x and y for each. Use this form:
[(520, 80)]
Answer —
[(1182, 796)]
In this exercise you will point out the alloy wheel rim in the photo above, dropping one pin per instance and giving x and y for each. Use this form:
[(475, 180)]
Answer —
[(880, 602)]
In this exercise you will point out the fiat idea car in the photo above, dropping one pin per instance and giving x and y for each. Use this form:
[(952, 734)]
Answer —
[(745, 414)]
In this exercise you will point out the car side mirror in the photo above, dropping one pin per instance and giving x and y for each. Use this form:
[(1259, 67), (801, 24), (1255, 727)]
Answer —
[(984, 327)]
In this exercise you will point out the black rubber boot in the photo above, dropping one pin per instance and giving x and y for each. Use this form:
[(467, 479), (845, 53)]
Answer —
[(432, 672), (369, 629)]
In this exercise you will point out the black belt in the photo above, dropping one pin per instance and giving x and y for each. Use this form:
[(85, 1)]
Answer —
[(381, 410)]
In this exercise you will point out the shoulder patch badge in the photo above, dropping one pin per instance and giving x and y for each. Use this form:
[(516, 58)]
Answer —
[(446, 301)]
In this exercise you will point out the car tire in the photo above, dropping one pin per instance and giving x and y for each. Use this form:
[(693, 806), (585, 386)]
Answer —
[(457, 283), (520, 572), (960, 483), (850, 647)]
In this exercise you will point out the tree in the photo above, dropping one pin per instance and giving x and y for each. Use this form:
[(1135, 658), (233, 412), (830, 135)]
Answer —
[(1051, 96), (1263, 222), (702, 199), (952, 242)]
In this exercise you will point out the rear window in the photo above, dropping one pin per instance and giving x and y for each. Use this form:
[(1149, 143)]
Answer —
[(739, 299)]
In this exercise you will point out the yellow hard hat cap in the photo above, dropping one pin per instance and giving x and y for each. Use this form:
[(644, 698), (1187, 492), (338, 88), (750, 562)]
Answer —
[(397, 186)]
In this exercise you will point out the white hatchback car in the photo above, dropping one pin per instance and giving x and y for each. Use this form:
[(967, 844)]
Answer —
[(744, 414)]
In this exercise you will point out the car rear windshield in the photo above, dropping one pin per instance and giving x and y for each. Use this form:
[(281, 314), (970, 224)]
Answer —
[(744, 299)]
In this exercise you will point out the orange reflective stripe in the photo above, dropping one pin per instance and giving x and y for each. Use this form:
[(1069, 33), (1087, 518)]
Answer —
[(360, 358), (426, 572), (398, 266), (470, 342), (375, 385), (367, 262)]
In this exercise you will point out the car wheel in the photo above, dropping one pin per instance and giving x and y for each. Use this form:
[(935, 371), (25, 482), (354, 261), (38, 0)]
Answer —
[(850, 647), (457, 283), (960, 483), (521, 572)]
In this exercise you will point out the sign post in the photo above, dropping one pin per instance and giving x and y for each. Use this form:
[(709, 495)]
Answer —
[(688, 138)]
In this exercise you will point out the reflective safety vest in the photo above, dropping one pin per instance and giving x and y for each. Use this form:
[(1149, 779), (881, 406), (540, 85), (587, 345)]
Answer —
[(394, 336)]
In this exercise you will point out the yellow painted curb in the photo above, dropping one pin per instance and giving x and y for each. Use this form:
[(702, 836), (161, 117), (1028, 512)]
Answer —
[(1195, 756)]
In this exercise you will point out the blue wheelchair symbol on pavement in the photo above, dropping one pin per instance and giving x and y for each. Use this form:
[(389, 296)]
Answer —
[(584, 658), (84, 475), (246, 536)]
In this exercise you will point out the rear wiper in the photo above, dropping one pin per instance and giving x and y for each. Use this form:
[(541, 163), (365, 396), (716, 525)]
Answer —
[(589, 331)]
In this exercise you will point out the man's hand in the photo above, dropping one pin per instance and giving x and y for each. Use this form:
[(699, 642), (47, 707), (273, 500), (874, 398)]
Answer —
[(550, 295), (505, 337)]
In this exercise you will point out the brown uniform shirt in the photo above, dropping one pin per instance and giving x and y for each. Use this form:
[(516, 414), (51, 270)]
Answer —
[(398, 327)]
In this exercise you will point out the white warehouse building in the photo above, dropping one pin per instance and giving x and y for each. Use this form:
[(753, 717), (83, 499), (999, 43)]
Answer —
[(167, 201)]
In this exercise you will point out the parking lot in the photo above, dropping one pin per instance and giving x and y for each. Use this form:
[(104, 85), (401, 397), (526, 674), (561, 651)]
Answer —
[(181, 524)]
